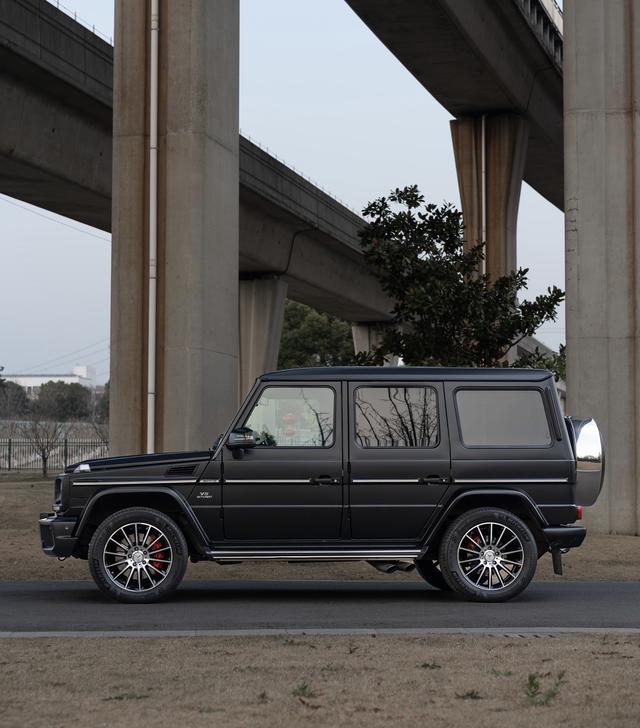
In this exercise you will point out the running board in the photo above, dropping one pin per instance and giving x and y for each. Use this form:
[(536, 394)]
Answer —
[(311, 555)]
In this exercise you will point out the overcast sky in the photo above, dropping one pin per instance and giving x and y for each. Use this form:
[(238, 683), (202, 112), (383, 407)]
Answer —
[(320, 92)]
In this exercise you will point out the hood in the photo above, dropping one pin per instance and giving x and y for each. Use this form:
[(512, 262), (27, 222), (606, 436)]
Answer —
[(138, 461)]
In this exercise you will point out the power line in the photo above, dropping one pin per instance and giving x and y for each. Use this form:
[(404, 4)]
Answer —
[(68, 355), (53, 219)]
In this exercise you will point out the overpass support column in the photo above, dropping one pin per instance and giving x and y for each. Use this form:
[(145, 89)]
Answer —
[(490, 153), (197, 339), (602, 241), (368, 335), (262, 302)]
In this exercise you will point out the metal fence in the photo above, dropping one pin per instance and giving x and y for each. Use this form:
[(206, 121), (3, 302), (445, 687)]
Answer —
[(23, 455)]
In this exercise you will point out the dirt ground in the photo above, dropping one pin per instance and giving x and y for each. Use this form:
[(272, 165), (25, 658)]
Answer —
[(22, 498), (322, 681)]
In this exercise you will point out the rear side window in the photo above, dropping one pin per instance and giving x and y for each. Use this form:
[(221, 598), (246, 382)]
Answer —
[(502, 418), (396, 417)]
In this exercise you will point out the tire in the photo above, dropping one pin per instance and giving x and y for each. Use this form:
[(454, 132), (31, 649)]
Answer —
[(138, 555), (492, 543), (429, 570)]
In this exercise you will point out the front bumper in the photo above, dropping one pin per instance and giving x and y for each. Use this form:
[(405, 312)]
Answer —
[(564, 537), (55, 534)]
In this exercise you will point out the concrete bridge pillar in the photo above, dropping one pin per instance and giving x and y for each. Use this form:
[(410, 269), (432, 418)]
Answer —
[(262, 302), (368, 335), (490, 153), (602, 241), (197, 224)]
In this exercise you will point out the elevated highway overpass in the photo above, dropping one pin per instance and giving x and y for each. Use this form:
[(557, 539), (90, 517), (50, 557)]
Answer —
[(56, 138), (74, 139)]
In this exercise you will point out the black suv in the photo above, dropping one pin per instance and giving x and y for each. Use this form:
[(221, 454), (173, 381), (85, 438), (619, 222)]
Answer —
[(468, 474)]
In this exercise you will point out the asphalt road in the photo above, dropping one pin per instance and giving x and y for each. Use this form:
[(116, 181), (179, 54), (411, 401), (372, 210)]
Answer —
[(44, 606)]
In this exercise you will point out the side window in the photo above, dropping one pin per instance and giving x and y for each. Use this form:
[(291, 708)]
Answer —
[(294, 417), (502, 418), (396, 417)]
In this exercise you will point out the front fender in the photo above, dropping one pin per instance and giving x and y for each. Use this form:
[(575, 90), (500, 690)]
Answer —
[(201, 541)]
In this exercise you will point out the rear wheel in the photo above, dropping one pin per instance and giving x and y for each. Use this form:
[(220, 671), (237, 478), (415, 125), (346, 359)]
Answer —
[(429, 570), (488, 555), (138, 555)]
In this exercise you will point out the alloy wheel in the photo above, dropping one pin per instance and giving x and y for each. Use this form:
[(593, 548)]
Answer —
[(137, 557), (490, 556)]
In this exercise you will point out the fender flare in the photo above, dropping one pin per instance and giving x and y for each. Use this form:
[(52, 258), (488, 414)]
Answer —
[(489, 493), (200, 539)]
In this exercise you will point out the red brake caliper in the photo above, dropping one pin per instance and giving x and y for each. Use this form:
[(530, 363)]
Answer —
[(158, 554)]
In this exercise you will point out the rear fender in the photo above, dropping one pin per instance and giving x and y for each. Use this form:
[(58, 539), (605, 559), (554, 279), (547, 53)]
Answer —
[(489, 498)]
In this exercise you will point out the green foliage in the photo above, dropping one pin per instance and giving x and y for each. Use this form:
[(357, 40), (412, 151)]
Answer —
[(469, 695), (430, 666), (101, 406), (313, 339), (14, 402), (445, 312), (303, 690), (557, 363), (535, 694), (63, 402)]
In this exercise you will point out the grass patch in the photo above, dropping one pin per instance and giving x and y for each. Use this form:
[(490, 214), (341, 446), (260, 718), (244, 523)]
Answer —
[(469, 695), (303, 690), (539, 697), (127, 696), (501, 673)]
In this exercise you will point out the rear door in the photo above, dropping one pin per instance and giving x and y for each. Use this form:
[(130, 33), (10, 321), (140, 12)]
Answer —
[(399, 459)]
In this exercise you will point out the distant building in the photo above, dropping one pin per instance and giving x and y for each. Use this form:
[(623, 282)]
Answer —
[(83, 375)]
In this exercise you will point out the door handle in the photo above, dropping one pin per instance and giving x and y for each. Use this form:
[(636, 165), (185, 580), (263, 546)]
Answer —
[(323, 480), (433, 480)]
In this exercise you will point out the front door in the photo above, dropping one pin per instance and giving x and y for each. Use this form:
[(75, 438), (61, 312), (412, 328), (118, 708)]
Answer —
[(290, 486), (399, 458)]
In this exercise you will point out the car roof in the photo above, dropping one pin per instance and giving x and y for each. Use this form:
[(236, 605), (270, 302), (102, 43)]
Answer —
[(498, 374)]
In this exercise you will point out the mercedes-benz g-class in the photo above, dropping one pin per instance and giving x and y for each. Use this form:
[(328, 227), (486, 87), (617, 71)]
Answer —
[(468, 475)]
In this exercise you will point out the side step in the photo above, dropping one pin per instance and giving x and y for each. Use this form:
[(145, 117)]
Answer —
[(312, 555)]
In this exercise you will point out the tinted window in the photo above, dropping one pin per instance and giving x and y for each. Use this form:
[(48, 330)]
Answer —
[(396, 417), (294, 417), (502, 418)]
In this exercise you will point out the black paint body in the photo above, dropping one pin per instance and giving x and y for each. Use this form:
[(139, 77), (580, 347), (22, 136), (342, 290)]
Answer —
[(340, 498)]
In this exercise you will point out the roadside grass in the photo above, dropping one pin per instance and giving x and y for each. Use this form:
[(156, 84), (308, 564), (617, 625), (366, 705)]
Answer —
[(481, 681)]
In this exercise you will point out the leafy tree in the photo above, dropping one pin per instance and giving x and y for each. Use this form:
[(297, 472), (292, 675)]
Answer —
[(311, 339), (100, 415), (63, 402), (557, 363), (14, 402), (445, 312)]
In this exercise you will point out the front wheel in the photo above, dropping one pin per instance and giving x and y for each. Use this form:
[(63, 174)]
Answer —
[(488, 555), (138, 555)]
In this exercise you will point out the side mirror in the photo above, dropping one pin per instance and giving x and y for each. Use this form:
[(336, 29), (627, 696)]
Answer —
[(241, 439)]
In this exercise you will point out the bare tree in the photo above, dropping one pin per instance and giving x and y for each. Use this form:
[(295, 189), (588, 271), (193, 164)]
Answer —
[(44, 435)]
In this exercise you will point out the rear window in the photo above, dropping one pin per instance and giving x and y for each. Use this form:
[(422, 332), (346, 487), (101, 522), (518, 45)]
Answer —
[(502, 418)]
